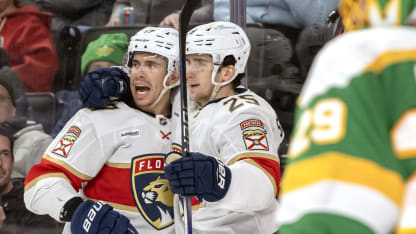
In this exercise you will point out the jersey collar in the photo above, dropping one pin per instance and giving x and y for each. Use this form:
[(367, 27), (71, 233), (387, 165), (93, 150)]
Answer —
[(237, 91)]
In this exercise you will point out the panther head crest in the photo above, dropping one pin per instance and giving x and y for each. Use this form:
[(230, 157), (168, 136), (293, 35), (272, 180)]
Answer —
[(158, 193)]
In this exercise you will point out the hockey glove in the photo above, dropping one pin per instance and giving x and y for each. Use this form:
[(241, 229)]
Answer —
[(103, 85), (198, 175), (100, 218)]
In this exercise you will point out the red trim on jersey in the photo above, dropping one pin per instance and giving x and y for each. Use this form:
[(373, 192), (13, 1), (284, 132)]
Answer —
[(269, 165), (195, 201), (111, 185), (177, 148), (47, 167)]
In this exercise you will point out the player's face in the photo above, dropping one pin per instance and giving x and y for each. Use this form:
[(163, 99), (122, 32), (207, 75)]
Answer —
[(7, 110), (198, 76), (146, 79), (6, 162)]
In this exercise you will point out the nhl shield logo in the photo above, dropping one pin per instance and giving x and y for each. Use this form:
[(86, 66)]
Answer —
[(151, 191)]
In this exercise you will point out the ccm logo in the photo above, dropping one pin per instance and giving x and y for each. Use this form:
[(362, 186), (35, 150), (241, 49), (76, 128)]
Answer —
[(91, 215)]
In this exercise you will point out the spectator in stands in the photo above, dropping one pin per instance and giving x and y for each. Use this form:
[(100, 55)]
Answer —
[(293, 13), (7, 101), (30, 139), (301, 21), (14, 217), (106, 51), (289, 17), (310, 41), (22, 106), (74, 12), (165, 12), (25, 35)]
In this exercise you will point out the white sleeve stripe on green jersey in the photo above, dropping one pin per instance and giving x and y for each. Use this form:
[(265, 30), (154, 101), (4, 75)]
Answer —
[(357, 202), (408, 220), (350, 55)]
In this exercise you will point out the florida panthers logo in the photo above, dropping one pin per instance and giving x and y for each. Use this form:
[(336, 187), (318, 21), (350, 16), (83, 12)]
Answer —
[(151, 190), (158, 193)]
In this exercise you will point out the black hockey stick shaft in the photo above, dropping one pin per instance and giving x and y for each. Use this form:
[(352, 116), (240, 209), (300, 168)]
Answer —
[(184, 19)]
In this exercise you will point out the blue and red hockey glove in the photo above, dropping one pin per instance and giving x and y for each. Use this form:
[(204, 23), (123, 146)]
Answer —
[(103, 85), (199, 175)]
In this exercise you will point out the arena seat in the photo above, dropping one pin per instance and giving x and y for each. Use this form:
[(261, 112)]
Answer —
[(43, 108), (269, 48), (272, 73)]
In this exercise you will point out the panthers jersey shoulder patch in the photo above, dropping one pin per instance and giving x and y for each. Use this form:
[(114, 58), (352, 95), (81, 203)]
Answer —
[(64, 145), (254, 135)]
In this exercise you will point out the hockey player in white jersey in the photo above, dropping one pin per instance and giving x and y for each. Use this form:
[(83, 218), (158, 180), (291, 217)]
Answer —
[(233, 168), (233, 132), (115, 155)]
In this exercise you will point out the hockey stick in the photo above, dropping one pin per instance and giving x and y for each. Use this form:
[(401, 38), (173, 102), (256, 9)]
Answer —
[(184, 19)]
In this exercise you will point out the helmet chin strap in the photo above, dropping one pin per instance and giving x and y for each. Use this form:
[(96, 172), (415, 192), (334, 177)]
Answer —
[(164, 90), (217, 86), (214, 92)]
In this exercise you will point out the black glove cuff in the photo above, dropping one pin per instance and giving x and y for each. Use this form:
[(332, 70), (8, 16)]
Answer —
[(69, 209)]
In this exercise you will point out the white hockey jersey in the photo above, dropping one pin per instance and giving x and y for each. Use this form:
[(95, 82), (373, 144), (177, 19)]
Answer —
[(243, 131), (115, 156)]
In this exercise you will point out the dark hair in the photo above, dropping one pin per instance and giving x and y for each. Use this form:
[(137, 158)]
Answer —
[(5, 131), (230, 60), (4, 58)]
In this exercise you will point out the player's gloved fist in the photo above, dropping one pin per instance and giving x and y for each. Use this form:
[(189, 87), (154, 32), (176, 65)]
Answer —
[(98, 217), (103, 85), (199, 175)]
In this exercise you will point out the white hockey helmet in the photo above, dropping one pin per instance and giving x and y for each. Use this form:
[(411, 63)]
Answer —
[(161, 41), (220, 39)]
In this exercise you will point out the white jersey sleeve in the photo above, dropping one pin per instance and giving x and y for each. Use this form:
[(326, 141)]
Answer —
[(64, 165), (248, 143)]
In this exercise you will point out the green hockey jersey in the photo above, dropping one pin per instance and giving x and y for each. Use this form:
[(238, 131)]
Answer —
[(352, 156)]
